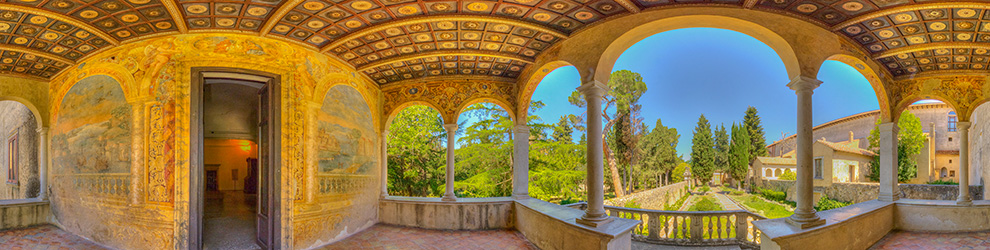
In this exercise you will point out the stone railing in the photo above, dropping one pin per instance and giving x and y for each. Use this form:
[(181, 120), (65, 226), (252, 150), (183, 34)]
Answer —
[(690, 228), (114, 186), (331, 184)]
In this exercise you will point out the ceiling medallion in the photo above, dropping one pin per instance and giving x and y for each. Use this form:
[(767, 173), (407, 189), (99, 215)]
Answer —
[(378, 16), (8, 60), (248, 24), (154, 13), (964, 36), (876, 47), (606, 7), (282, 28), (937, 26), (123, 33), (38, 19), (916, 39), (903, 17), (852, 6), (314, 6), (315, 24), (408, 10), (163, 25), (257, 11), (885, 34), (511, 10), (227, 9), (924, 61), (558, 5), (352, 24), (139, 1), (88, 14), (9, 15), (941, 51), (911, 29), (903, 56), (225, 22), (980, 51), (876, 23), (807, 8), (130, 18), (82, 34), (964, 25), (440, 7), (477, 6), (111, 6), (4, 26), (335, 14), (28, 30), (583, 15), (58, 49), (197, 9), (445, 25), (49, 36), (62, 4), (416, 27), (362, 5), (966, 13), (199, 22)]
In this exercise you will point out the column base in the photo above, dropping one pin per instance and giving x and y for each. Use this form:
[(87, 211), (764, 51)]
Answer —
[(449, 198), (805, 224), (594, 222), (966, 202), (520, 196)]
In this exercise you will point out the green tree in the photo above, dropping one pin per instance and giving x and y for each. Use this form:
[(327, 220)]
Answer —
[(702, 151), (416, 153), (484, 155), (625, 89), (788, 175), (910, 141), (563, 130), (758, 141), (721, 149), (678, 174), (658, 149), (739, 153)]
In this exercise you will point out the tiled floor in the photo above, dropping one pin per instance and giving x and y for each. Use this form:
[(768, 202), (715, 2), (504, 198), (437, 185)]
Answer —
[(43, 237), (392, 237), (229, 220), (934, 241)]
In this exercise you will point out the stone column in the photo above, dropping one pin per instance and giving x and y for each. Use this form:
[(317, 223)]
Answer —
[(384, 163), (43, 162), (888, 162), (804, 216), (520, 162), (964, 198), (595, 215), (451, 132)]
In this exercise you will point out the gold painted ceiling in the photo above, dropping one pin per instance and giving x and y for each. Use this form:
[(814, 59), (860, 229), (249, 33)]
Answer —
[(396, 40)]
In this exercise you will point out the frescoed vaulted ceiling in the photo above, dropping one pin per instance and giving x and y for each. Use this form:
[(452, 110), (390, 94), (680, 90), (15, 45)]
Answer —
[(396, 40)]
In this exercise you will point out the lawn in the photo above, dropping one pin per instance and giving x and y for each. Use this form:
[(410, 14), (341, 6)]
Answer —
[(762, 207)]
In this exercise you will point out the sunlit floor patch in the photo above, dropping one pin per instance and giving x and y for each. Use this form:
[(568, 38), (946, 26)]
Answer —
[(922, 240), (391, 237)]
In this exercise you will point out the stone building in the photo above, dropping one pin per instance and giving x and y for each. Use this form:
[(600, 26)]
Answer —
[(939, 159), (843, 161), (19, 152), (118, 90)]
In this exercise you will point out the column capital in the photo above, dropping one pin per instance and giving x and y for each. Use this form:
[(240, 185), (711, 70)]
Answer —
[(593, 87), (41, 130), (963, 125), (450, 127), (521, 129), (802, 83)]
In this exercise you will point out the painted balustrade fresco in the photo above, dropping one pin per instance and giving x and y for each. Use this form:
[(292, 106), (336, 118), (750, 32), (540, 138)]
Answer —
[(120, 143)]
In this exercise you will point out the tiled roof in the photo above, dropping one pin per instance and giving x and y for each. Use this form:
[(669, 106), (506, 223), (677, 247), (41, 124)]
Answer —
[(847, 148)]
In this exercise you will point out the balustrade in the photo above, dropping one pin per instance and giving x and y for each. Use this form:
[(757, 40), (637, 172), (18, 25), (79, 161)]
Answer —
[(690, 228)]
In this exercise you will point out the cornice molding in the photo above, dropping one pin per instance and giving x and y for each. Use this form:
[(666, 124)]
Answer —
[(446, 53), (59, 16), (453, 18)]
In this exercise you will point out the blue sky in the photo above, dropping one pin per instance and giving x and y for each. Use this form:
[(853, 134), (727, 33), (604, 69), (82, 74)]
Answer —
[(718, 73)]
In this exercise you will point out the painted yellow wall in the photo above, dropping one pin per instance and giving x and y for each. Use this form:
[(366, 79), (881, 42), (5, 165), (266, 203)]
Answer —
[(154, 75)]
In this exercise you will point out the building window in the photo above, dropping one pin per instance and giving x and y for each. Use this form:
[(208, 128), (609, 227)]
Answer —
[(12, 152), (952, 121), (952, 173), (818, 168), (768, 173), (944, 173), (950, 160)]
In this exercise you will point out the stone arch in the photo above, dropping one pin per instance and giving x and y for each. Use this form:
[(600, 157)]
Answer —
[(778, 172), (532, 82), (871, 76), (395, 111), (907, 101), (768, 173), (505, 106), (630, 37), (34, 109)]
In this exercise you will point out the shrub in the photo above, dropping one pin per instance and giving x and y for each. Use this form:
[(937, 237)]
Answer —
[(705, 189), (773, 195), (631, 204), (677, 205), (788, 176), (737, 192), (941, 182), (826, 204), (706, 204)]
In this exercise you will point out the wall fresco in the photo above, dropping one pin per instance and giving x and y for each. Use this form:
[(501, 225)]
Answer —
[(148, 206), (346, 137), (92, 131)]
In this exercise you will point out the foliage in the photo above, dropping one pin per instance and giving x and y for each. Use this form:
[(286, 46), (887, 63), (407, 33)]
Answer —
[(721, 138), (416, 153), (484, 158), (706, 203), (911, 139), (788, 175), (702, 151), (658, 156), (760, 206), (826, 203), (631, 204), (941, 182), (739, 154), (704, 189), (677, 205), (773, 195), (758, 145), (678, 174)]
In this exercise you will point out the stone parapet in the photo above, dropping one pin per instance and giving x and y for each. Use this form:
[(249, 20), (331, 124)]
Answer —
[(463, 214), (24, 213), (856, 192)]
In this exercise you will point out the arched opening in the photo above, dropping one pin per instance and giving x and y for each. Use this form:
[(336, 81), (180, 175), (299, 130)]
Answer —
[(778, 172), (979, 142), (483, 155), (416, 149), (21, 175), (928, 142), (846, 107), (768, 173)]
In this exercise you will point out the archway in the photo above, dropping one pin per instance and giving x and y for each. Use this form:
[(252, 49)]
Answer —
[(416, 149), (21, 173), (484, 153)]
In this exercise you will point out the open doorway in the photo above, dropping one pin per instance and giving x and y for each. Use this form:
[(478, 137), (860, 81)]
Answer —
[(234, 160)]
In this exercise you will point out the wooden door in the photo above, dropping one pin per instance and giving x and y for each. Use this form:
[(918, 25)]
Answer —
[(265, 199)]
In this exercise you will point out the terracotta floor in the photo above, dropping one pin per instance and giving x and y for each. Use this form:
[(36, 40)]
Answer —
[(43, 238), (934, 241), (392, 237)]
